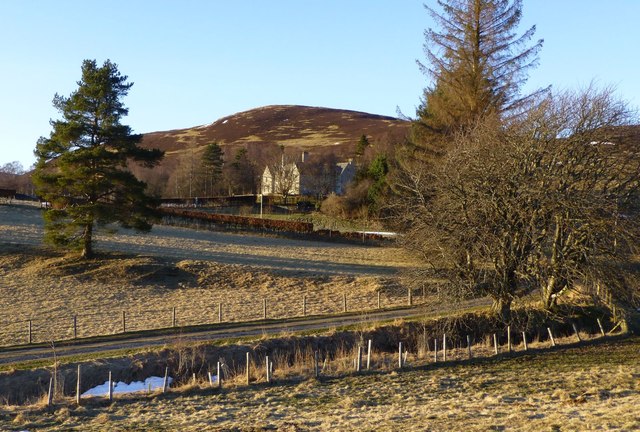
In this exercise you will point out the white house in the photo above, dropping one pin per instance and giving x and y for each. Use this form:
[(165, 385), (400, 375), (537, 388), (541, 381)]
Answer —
[(299, 178), (284, 180)]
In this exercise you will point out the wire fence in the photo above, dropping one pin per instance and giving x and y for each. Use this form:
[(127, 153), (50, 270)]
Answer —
[(52, 326)]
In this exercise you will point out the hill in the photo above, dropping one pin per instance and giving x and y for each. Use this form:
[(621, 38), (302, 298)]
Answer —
[(263, 134), (301, 127)]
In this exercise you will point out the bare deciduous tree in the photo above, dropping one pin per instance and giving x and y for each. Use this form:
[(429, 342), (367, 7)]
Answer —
[(545, 203), (319, 175), (286, 176)]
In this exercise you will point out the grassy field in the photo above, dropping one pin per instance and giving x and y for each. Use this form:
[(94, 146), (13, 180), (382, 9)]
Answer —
[(146, 276), (50, 289), (594, 386)]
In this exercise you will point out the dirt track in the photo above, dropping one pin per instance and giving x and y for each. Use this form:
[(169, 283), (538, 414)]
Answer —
[(223, 331)]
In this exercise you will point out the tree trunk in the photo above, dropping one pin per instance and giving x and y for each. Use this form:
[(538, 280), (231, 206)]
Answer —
[(556, 286), (548, 299), (502, 308), (631, 322), (87, 241), (629, 318)]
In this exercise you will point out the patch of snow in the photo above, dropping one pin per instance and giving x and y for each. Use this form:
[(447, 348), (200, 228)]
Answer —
[(224, 122), (380, 233), (154, 382)]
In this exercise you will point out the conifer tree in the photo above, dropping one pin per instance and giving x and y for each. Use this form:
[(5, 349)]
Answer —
[(362, 145), (212, 161), (82, 166), (477, 64)]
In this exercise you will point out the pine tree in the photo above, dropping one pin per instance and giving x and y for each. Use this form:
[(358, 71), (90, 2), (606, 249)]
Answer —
[(212, 165), (477, 63), (240, 174), (362, 145), (82, 166)]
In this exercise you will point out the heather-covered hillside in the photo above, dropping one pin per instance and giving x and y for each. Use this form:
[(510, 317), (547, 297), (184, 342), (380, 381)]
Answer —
[(261, 135)]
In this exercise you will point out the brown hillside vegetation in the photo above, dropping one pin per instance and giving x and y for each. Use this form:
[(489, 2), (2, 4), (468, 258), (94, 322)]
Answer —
[(300, 127), (262, 133)]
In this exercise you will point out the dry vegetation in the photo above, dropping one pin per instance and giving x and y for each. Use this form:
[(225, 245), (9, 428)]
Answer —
[(190, 270), (594, 386), (293, 126), (587, 387)]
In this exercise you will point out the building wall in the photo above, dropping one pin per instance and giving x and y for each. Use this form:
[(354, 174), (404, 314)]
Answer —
[(346, 175), (266, 183)]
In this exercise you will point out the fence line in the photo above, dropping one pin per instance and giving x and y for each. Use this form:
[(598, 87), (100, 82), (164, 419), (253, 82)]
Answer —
[(343, 364), (118, 320)]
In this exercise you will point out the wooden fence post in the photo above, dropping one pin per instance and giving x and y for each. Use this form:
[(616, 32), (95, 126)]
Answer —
[(444, 347), (575, 329), (110, 390), (409, 297), (219, 312), (173, 317), (359, 359), (248, 368), (75, 327), (400, 355), (369, 355), (78, 394), (495, 343), (469, 346), (264, 308), (50, 395), (344, 302), (30, 332), (509, 338), (524, 340), (268, 369), (219, 373), (435, 350), (601, 328), (124, 322), (165, 383), (553, 341), (304, 305)]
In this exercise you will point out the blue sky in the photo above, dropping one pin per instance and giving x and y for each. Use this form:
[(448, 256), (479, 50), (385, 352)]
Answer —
[(194, 61)]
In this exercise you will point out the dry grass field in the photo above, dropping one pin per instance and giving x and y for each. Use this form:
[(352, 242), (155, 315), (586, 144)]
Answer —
[(146, 276), (593, 386)]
